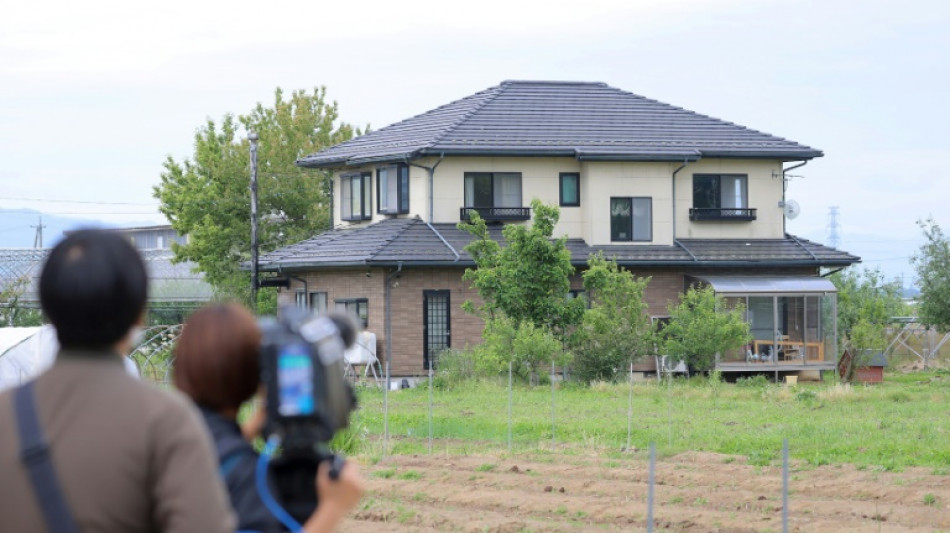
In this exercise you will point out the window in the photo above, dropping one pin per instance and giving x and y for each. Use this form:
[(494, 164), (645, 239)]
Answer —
[(392, 189), (300, 299), (318, 302), (358, 307), (631, 219), (570, 189), (355, 197), (492, 189), (721, 196), (579, 293)]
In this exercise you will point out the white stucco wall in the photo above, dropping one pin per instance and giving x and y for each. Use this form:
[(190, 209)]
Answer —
[(599, 181)]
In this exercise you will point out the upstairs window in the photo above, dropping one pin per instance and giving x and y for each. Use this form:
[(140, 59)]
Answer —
[(392, 189), (631, 219), (721, 196), (570, 187), (492, 189), (355, 196)]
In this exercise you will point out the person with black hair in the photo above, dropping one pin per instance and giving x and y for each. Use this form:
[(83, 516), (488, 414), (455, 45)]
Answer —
[(87, 447)]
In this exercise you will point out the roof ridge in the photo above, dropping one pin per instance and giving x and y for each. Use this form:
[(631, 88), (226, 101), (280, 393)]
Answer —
[(498, 89)]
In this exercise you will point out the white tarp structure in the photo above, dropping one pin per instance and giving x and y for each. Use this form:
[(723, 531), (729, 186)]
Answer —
[(24, 353), (27, 352)]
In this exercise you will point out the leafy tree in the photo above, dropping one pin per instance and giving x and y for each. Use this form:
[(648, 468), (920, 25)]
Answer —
[(207, 197), (865, 295), (528, 347), (616, 330), (12, 312), (863, 338), (528, 280), (932, 263), (701, 326)]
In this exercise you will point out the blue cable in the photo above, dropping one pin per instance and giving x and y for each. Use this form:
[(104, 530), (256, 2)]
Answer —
[(264, 492)]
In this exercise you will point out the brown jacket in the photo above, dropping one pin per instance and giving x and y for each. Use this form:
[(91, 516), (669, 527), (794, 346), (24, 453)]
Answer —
[(129, 456)]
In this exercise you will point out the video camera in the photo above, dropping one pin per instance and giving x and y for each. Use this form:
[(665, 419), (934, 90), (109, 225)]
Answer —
[(308, 399)]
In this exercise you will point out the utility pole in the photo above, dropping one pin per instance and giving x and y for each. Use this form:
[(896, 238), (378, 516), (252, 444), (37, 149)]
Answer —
[(252, 137), (38, 239)]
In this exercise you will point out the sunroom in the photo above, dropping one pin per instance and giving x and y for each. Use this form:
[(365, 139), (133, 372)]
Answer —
[(792, 319)]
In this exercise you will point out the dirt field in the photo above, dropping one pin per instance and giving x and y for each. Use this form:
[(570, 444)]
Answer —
[(695, 492)]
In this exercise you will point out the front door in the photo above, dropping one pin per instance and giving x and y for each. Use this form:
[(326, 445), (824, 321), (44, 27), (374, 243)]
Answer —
[(436, 326)]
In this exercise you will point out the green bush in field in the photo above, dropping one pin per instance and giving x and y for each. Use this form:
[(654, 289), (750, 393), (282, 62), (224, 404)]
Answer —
[(529, 348)]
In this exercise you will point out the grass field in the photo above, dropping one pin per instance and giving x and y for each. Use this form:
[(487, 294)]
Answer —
[(903, 423)]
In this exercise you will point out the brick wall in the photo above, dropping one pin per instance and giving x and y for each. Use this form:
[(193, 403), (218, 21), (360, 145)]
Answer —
[(466, 329)]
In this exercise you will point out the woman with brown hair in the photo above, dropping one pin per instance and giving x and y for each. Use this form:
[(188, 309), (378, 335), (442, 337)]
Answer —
[(217, 364)]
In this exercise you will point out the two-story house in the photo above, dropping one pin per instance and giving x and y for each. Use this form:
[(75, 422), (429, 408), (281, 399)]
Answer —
[(668, 193)]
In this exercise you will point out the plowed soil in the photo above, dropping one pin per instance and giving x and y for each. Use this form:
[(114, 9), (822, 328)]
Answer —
[(694, 492)]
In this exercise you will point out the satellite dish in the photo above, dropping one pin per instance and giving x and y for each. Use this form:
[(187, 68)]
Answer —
[(792, 209)]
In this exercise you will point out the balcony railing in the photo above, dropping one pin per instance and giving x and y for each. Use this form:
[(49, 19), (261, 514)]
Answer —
[(721, 213), (495, 214)]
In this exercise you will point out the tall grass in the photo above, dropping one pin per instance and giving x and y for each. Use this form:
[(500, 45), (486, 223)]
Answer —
[(901, 423)]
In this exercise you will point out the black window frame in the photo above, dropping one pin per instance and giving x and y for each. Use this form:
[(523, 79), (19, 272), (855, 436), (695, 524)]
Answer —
[(402, 190), (631, 229), (562, 179), (471, 175), (357, 302), (707, 199), (365, 203)]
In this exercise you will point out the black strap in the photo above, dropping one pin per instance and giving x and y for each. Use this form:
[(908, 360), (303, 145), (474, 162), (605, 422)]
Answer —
[(35, 456)]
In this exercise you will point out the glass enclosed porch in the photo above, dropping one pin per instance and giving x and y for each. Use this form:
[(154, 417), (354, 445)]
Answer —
[(793, 322)]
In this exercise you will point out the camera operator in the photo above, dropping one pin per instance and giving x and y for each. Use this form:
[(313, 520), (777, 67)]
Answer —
[(87, 447), (217, 364)]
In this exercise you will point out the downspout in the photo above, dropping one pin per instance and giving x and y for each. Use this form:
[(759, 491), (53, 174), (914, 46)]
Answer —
[(306, 288), (431, 180), (785, 186), (675, 172), (389, 356)]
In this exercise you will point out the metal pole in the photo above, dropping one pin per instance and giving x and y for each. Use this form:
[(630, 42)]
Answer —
[(630, 408), (650, 487), (509, 407), (553, 441), (785, 485), (669, 404), (430, 409), (252, 138)]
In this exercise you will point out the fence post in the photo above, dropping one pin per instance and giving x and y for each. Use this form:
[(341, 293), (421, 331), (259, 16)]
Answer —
[(553, 440), (630, 408), (652, 480), (430, 409), (785, 485), (509, 407)]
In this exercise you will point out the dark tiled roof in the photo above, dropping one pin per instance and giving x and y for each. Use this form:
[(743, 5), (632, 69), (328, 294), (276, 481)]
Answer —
[(576, 119), (414, 242)]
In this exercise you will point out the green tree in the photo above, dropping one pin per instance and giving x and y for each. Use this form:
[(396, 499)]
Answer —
[(12, 312), (865, 295), (932, 263), (701, 326), (207, 197), (529, 278), (616, 330)]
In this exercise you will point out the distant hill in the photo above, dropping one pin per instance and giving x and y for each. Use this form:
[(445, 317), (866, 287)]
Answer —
[(18, 227)]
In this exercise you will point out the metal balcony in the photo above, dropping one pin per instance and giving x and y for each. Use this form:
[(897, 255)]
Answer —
[(721, 213), (496, 214)]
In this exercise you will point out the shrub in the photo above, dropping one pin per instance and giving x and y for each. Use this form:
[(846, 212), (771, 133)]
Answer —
[(757, 380), (529, 348)]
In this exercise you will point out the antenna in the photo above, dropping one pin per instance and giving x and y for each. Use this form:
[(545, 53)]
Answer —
[(834, 227), (38, 239)]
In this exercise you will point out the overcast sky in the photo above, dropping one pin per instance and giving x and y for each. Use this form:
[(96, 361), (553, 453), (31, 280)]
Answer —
[(95, 94)]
